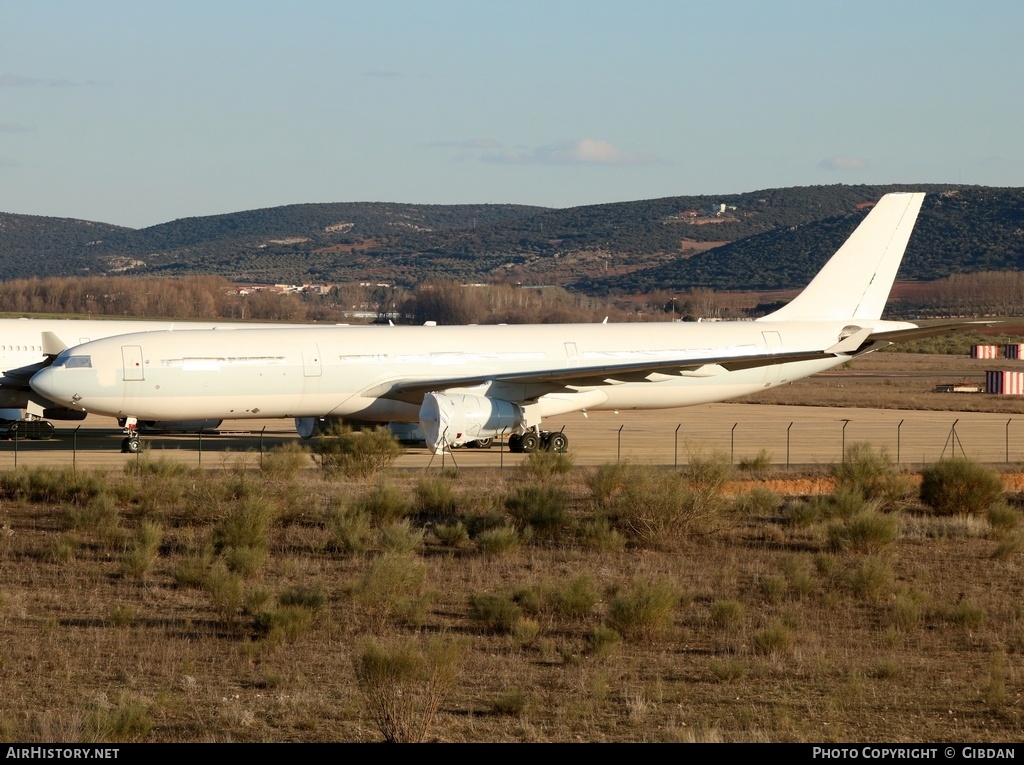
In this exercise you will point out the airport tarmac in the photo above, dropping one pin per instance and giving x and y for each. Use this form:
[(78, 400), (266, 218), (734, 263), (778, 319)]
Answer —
[(789, 435)]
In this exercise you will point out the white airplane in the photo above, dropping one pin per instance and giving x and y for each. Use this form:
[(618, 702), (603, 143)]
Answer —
[(28, 345), (466, 383)]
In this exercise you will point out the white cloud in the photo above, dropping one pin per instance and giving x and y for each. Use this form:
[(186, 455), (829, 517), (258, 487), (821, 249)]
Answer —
[(843, 163)]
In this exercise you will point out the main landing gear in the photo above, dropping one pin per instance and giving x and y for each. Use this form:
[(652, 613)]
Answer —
[(532, 441)]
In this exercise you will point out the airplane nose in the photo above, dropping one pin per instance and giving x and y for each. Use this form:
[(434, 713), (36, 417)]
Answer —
[(44, 382)]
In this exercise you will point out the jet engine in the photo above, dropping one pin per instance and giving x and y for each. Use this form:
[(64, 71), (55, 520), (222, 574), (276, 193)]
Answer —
[(454, 419)]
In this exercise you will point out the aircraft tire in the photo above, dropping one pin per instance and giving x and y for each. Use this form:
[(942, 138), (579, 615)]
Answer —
[(559, 442), (530, 442), (130, 446), (482, 443), (515, 443)]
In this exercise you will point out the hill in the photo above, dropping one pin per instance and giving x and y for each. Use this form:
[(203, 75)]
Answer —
[(768, 239)]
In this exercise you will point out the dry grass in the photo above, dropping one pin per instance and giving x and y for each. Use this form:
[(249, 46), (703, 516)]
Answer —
[(754, 629)]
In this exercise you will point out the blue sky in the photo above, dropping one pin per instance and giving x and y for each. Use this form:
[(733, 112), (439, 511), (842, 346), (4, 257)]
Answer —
[(142, 112)]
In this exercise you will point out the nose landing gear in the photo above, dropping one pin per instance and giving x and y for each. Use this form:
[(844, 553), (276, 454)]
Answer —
[(130, 444)]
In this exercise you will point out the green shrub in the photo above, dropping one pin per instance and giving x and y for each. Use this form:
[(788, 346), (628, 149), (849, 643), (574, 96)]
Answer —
[(401, 537), (872, 474), (495, 613), (773, 588), (310, 598), (728, 670), (385, 504), (644, 610), (869, 531), (436, 497), (1002, 518), (404, 685), (356, 454), (757, 464), (393, 587), (598, 534), (773, 640), (960, 487), (451, 534), (241, 537), (225, 589), (348, 529), (872, 579), (602, 640), (498, 541), (512, 703), (542, 507), (544, 465), (286, 460), (52, 485), (577, 598), (128, 720), (99, 514), (758, 501), (607, 481), (285, 624), (144, 551), (727, 614), (657, 508)]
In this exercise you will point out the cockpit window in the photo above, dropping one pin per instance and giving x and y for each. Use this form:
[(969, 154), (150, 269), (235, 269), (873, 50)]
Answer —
[(74, 362)]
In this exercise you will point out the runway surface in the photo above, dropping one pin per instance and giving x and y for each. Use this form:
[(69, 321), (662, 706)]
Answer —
[(790, 435)]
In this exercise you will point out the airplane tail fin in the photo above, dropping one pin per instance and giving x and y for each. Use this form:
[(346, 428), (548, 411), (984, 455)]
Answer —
[(856, 281)]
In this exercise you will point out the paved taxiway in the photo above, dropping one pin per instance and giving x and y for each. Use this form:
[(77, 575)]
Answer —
[(793, 435)]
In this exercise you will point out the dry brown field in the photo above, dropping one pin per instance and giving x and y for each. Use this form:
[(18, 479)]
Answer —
[(226, 591)]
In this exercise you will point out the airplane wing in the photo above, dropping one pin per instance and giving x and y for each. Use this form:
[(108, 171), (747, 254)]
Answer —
[(932, 330), (538, 383)]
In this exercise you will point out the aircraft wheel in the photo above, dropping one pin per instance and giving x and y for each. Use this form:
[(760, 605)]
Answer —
[(530, 442), (130, 446), (559, 442), (515, 443), (483, 443)]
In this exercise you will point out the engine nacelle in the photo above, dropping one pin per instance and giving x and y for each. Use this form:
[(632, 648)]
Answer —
[(58, 413), (454, 419)]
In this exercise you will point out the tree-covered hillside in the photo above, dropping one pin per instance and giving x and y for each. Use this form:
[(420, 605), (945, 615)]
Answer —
[(774, 238)]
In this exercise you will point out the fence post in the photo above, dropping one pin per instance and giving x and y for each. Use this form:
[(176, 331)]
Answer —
[(845, 423), (1008, 439), (618, 452), (732, 444), (261, 446), (675, 458), (787, 443)]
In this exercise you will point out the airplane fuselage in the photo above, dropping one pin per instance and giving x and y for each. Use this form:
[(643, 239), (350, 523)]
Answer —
[(348, 371)]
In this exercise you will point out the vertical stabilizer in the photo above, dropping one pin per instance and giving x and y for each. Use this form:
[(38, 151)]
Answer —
[(856, 281)]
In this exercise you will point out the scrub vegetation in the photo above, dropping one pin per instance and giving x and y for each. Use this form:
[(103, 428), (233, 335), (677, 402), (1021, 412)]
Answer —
[(547, 603)]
